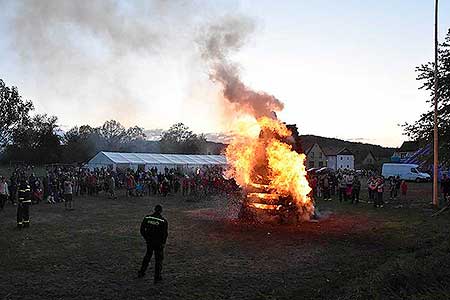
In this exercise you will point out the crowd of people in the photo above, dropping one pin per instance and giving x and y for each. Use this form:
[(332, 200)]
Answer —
[(205, 181), (346, 185), (61, 183)]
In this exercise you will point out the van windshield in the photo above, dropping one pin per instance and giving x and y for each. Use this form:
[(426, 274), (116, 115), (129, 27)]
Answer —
[(414, 170)]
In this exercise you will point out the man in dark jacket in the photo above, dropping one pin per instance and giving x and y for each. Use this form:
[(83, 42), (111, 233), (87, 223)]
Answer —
[(356, 189), (154, 229)]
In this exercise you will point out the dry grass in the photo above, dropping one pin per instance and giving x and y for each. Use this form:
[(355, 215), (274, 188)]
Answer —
[(354, 252)]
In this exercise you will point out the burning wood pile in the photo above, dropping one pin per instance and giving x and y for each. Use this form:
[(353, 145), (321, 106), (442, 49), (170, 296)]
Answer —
[(271, 173), (260, 156)]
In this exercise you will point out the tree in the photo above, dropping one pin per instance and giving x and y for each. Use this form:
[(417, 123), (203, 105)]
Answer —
[(113, 134), (14, 112), (179, 139), (35, 141), (134, 134), (79, 144), (422, 129), (48, 142), (82, 143)]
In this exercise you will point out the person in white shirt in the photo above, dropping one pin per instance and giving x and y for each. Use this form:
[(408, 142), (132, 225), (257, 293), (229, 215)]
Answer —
[(4, 192), (68, 193)]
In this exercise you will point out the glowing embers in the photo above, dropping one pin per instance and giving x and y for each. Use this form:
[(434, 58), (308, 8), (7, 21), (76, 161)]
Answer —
[(265, 206), (265, 196), (254, 200), (259, 186)]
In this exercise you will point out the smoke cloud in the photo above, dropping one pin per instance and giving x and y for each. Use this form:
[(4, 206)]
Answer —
[(91, 61), (217, 43), (40, 27), (101, 59)]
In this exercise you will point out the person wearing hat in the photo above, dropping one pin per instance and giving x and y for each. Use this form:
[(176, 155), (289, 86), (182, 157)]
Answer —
[(24, 202), (154, 229)]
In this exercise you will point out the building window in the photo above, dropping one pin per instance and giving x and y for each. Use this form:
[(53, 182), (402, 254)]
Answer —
[(341, 157), (320, 164), (311, 164)]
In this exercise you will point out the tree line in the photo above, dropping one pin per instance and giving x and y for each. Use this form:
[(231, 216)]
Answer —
[(38, 138)]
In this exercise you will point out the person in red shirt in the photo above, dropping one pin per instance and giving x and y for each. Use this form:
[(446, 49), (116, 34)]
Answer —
[(314, 186), (380, 189), (130, 185), (403, 191), (404, 188)]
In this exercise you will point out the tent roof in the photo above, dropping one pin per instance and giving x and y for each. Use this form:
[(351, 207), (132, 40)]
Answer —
[(156, 158)]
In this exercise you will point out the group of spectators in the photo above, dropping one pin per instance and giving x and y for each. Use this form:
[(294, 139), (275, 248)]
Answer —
[(343, 184), (346, 185), (61, 183), (205, 181), (55, 186)]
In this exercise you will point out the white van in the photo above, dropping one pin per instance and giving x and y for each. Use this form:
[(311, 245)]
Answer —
[(405, 172)]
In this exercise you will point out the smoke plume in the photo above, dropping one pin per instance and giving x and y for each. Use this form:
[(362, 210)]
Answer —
[(91, 61), (102, 59), (217, 43)]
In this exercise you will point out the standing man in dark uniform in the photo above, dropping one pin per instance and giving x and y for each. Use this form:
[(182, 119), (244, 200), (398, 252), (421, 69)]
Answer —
[(154, 229), (23, 206)]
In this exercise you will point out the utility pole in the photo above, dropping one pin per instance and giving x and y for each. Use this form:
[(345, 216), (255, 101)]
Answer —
[(436, 99)]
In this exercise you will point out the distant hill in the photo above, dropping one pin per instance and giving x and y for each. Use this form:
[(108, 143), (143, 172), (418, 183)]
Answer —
[(360, 150), (218, 142)]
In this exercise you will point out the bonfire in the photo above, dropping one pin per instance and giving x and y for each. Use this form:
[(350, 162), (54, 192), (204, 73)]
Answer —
[(261, 157), (271, 173)]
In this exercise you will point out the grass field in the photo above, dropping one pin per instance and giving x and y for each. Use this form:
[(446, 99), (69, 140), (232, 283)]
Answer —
[(353, 252)]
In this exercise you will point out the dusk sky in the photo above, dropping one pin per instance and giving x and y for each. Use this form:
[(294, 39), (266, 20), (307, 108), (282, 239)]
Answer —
[(344, 69)]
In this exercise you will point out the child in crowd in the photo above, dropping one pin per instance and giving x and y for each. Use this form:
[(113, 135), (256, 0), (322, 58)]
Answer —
[(139, 189)]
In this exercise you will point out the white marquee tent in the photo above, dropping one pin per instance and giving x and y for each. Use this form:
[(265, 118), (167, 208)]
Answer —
[(146, 161)]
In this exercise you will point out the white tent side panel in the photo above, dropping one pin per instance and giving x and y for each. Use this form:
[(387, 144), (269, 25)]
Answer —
[(101, 161), (124, 160)]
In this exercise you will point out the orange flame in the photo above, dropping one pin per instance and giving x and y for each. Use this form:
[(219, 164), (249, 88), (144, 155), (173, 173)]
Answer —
[(259, 154), (266, 206), (264, 196)]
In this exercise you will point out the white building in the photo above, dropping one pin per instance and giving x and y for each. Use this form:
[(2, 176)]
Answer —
[(343, 159), (146, 161)]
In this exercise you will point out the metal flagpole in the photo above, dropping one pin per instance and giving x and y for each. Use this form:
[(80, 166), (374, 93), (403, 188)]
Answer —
[(436, 98)]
